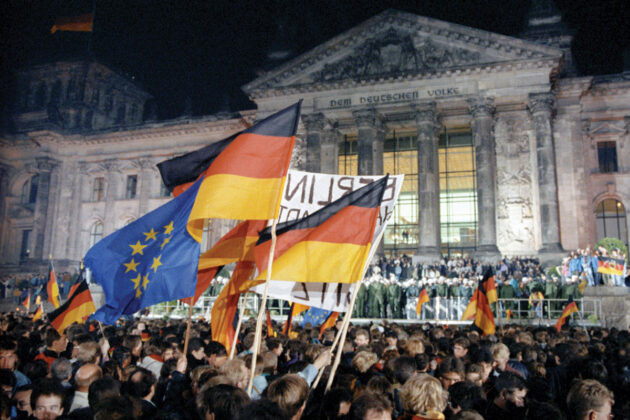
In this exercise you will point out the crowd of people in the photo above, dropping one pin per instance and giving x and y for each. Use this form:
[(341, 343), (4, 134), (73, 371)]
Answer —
[(137, 370)]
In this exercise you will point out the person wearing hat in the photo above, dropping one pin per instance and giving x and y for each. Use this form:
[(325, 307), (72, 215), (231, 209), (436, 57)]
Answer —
[(394, 297)]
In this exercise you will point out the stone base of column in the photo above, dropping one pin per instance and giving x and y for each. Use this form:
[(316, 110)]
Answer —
[(427, 254), (487, 254), (551, 253)]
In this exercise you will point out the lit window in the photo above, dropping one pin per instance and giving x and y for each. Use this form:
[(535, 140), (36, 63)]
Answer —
[(132, 185), (611, 220), (96, 233), (98, 189), (607, 156), (25, 250)]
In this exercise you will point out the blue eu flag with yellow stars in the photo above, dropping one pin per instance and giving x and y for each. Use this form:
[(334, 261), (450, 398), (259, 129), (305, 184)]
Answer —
[(315, 316), (151, 260)]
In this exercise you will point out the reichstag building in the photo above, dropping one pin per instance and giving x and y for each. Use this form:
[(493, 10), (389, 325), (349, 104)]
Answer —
[(505, 150)]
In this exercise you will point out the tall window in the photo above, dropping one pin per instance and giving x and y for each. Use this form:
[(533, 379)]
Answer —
[(25, 249), (132, 185), (348, 163), (29, 190), (96, 233), (98, 189), (607, 156), (458, 192), (611, 220)]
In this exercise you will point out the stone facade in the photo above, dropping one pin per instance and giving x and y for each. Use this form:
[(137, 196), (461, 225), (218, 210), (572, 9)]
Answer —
[(535, 136)]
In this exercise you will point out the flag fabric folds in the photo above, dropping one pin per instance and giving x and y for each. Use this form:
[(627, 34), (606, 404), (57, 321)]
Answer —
[(76, 309), (243, 175), (479, 306), (81, 23), (423, 297), (570, 308), (38, 313), (328, 323), (315, 317), (330, 245), (509, 314), (51, 286), (27, 302), (151, 260), (609, 265), (270, 331), (488, 285), (296, 309)]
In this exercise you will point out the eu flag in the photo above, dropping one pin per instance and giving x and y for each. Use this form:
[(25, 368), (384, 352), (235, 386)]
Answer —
[(315, 316), (149, 261)]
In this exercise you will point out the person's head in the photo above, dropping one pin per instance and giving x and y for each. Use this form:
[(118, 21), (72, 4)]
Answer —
[(236, 371), (501, 355), (7, 382), (141, 384), (216, 354), (22, 398), (404, 368), (8, 353), (270, 362), (589, 400), (483, 358), (290, 393), (263, 409), (100, 390), (450, 371), (460, 347), (61, 369), (275, 345), (87, 374), (336, 403), (196, 348), (364, 360), (221, 402), (55, 341), (47, 399), (370, 406), (423, 393), (89, 352), (464, 396), (392, 338), (511, 391), (118, 407), (474, 374), (361, 338), (134, 344), (414, 346)]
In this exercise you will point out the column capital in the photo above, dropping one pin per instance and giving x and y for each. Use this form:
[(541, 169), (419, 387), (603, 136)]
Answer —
[(314, 122), (540, 102), (481, 107), (46, 164), (111, 165), (426, 112), (368, 118)]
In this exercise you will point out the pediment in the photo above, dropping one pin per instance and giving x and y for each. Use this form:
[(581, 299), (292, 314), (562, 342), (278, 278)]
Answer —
[(398, 45), (607, 128)]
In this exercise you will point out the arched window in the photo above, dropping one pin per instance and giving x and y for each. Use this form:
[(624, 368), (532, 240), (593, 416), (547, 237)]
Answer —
[(29, 190), (611, 220), (96, 233)]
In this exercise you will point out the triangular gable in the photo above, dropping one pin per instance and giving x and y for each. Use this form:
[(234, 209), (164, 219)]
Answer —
[(398, 45)]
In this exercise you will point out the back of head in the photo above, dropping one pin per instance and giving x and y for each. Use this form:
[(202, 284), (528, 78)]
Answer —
[(140, 383), (224, 401), (586, 396), (61, 369), (236, 371), (87, 374), (89, 352), (404, 368), (508, 381), (115, 408), (263, 410), (423, 393), (289, 392), (368, 404), (100, 390)]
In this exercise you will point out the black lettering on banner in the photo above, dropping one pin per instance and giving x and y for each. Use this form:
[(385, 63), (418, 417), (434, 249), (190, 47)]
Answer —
[(324, 287), (346, 184), (338, 294), (301, 183), (295, 291), (310, 196), (282, 209), (330, 193), (365, 181), (293, 214), (388, 195), (348, 297)]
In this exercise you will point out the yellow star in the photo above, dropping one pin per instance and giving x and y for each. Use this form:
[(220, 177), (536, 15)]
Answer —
[(168, 228), (156, 263), (136, 282), (166, 240), (138, 292), (145, 281), (137, 248), (131, 265), (149, 235)]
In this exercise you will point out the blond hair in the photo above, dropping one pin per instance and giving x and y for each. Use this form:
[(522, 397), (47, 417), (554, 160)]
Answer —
[(364, 360), (414, 346), (500, 351), (236, 371), (423, 393)]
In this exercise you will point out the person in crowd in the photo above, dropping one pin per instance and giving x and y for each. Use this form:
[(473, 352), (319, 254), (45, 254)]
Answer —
[(509, 401), (423, 397), (47, 399), (85, 376), (589, 399)]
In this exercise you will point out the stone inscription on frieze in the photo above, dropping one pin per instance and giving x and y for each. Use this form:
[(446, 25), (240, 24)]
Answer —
[(515, 212)]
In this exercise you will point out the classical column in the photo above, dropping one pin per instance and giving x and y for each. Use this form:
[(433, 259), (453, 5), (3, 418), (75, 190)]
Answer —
[(482, 110), (540, 106), (371, 140), (112, 181), (429, 244), (145, 176), (330, 150), (314, 124), (42, 217), (79, 194)]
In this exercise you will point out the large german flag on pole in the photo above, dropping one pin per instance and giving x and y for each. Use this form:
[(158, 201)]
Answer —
[(569, 309), (479, 308), (490, 288), (51, 286), (330, 245), (75, 309), (243, 175), (423, 298)]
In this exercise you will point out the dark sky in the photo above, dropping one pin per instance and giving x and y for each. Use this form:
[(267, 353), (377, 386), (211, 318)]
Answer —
[(202, 51)]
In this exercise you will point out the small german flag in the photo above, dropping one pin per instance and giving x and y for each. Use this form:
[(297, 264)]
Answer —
[(38, 313), (609, 265), (270, 331), (570, 308), (51, 286), (509, 314), (75, 309), (423, 298), (329, 323), (296, 309)]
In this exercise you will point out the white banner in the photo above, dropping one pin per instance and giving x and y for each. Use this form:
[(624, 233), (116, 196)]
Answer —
[(307, 192)]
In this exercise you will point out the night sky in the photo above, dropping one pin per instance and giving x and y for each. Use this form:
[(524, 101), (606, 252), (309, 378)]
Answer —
[(200, 52)]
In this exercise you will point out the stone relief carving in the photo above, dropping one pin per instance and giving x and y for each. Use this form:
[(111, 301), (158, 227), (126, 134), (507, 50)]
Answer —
[(396, 53)]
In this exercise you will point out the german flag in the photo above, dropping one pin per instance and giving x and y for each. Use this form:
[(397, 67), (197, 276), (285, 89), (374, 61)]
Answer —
[(296, 309), (609, 265), (243, 175), (423, 298), (27, 302), (38, 313), (270, 331), (509, 314), (81, 23), (488, 285), (479, 309), (329, 323), (76, 309), (330, 245), (570, 308), (51, 286), (224, 310)]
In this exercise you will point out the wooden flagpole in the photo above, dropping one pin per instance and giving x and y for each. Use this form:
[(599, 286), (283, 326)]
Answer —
[(238, 328), (261, 308)]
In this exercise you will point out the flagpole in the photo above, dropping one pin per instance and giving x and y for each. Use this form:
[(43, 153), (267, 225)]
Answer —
[(238, 328), (346, 321), (261, 308)]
